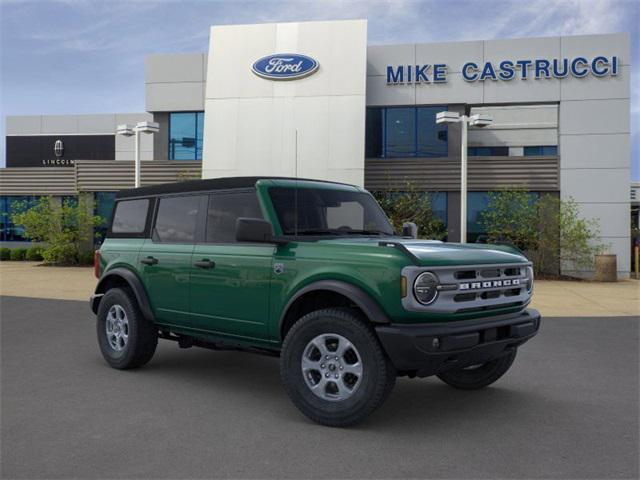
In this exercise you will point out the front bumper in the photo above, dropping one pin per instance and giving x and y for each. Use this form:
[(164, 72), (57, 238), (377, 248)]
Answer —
[(429, 349)]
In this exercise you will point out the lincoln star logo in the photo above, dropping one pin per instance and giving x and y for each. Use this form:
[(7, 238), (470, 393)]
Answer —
[(489, 284), (285, 66), (58, 148)]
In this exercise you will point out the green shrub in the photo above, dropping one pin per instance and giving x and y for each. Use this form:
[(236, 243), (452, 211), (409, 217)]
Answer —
[(5, 253), (548, 228), (34, 254), (18, 254), (66, 228), (86, 258)]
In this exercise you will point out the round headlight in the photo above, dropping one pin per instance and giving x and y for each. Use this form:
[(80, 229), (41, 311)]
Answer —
[(529, 280), (425, 288)]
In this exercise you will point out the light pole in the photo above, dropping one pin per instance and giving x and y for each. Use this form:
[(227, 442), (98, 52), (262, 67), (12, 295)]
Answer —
[(128, 131), (477, 120)]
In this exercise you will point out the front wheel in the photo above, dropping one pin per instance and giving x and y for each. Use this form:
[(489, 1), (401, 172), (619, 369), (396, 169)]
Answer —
[(334, 369), (479, 376)]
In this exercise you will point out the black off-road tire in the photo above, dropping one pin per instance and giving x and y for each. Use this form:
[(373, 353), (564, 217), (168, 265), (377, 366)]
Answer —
[(142, 333), (378, 377), (481, 376)]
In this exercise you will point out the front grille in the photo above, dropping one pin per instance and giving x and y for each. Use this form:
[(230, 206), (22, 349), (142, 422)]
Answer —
[(469, 289)]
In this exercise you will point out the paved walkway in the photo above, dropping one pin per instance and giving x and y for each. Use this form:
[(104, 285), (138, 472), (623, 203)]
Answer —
[(552, 298)]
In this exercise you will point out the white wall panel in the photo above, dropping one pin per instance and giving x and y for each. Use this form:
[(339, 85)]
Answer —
[(453, 54), (520, 91), (596, 185), (175, 97), (174, 68), (593, 88), (455, 90), (594, 117), (251, 122), (23, 125), (381, 94), (612, 219), (595, 151), (521, 49), (594, 45), (59, 124), (379, 56)]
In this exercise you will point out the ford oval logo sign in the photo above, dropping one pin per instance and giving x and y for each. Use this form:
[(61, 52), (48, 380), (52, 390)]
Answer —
[(285, 66)]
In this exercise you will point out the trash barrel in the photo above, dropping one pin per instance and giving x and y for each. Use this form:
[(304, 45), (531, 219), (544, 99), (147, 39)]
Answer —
[(606, 268)]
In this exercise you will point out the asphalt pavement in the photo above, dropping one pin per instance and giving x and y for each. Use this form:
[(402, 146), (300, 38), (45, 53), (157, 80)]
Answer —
[(568, 408)]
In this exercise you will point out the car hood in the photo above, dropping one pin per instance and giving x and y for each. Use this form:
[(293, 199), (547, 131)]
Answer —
[(436, 253)]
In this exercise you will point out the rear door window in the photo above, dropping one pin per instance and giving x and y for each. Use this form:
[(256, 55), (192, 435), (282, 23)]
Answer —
[(176, 219), (224, 209), (130, 216)]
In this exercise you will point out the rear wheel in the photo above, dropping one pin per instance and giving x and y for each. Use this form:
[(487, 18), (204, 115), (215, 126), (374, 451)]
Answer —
[(479, 376), (126, 338), (333, 367)]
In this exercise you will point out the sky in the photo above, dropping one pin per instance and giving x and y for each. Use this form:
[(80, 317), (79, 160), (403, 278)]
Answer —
[(87, 56)]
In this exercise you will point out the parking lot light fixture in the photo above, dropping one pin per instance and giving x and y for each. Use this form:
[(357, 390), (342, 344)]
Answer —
[(128, 131), (477, 120)]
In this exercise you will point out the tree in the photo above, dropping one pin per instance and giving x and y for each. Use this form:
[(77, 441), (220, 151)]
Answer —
[(549, 229), (410, 205), (66, 228)]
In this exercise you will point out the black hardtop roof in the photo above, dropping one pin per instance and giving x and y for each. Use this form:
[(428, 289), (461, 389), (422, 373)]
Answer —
[(205, 185)]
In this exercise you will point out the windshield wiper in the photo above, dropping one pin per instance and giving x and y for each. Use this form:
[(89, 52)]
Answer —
[(336, 231), (318, 232), (364, 232)]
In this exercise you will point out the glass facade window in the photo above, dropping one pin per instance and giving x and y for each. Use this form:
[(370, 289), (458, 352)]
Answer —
[(541, 151), (103, 207), (185, 135), (393, 132), (10, 232), (439, 206), (488, 151)]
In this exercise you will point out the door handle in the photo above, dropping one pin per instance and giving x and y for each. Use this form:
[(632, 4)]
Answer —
[(149, 261), (205, 263)]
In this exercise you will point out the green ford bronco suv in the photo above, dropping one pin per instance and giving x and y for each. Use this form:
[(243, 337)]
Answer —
[(312, 272)]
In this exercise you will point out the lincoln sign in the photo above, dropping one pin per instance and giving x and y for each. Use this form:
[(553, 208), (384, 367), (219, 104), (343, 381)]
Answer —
[(506, 70)]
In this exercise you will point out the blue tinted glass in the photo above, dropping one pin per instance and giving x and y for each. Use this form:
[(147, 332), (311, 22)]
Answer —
[(532, 151), (539, 151), (400, 132), (432, 138), (185, 135), (103, 207), (199, 134), (374, 132), (9, 232), (439, 205), (477, 202)]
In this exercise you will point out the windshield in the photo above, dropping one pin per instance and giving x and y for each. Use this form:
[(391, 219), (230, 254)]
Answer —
[(328, 212)]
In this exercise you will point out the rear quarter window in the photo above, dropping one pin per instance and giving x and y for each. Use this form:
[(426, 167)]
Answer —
[(130, 216)]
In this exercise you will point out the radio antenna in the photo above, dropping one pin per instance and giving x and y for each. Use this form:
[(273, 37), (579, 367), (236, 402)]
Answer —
[(295, 195)]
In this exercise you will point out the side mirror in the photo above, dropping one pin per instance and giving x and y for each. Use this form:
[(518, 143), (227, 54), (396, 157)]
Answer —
[(409, 229), (254, 230)]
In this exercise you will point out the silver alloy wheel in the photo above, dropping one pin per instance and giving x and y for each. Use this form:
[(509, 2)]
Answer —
[(117, 327), (332, 367)]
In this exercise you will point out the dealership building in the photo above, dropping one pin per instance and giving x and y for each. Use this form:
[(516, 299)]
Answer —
[(312, 99)]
